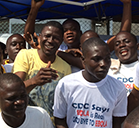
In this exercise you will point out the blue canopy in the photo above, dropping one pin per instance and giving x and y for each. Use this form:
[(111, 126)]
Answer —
[(101, 10)]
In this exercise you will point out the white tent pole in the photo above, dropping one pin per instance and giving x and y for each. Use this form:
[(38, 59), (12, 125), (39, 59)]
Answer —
[(77, 3)]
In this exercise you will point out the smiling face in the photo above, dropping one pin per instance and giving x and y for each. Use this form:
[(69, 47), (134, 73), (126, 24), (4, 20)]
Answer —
[(50, 39), (14, 44), (72, 34), (13, 100), (97, 62), (126, 47)]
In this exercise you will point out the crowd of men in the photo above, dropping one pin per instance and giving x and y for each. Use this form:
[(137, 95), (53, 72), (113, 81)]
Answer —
[(76, 85)]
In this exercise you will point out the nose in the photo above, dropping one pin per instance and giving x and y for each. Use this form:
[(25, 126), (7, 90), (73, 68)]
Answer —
[(19, 102), (50, 39), (17, 46), (122, 44), (69, 31), (102, 63)]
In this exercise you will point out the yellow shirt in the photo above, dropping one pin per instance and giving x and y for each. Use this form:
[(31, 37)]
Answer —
[(28, 61)]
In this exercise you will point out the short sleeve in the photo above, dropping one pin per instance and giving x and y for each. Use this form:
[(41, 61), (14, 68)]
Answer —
[(21, 62), (120, 109), (136, 86), (60, 105)]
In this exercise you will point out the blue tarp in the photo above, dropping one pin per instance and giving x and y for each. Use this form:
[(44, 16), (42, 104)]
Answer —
[(55, 10)]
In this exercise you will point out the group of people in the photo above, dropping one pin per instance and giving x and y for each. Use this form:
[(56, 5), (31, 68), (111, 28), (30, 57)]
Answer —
[(73, 85)]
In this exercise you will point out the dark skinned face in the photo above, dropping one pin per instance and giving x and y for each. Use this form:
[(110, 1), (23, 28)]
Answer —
[(14, 45), (125, 48), (72, 34), (50, 40), (97, 63), (13, 101)]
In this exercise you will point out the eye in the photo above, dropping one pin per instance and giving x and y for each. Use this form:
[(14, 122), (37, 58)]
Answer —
[(12, 98), (126, 41), (22, 44), (96, 59), (65, 30), (117, 43), (13, 43)]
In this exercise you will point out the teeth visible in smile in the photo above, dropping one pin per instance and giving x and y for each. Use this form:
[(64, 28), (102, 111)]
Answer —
[(124, 53), (49, 46)]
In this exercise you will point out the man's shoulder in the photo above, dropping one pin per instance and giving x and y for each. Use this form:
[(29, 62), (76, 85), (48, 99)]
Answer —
[(60, 60), (36, 110), (72, 77)]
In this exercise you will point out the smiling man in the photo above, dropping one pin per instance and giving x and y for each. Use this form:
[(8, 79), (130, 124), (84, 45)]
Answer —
[(41, 69), (90, 98), (126, 50), (13, 104)]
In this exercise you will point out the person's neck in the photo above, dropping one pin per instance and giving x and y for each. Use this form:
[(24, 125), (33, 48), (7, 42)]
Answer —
[(11, 61), (129, 62), (13, 122), (45, 58), (72, 46), (89, 77)]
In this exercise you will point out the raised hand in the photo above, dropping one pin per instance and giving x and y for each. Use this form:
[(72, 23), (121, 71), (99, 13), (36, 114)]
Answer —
[(29, 38), (74, 52), (45, 75), (37, 4), (126, 1)]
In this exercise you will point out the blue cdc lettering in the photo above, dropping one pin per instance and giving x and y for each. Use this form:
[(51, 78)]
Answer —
[(124, 80), (80, 105)]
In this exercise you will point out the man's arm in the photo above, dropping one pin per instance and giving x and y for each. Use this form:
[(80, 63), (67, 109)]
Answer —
[(117, 122), (45, 75), (126, 18), (133, 100), (30, 23), (72, 60), (125, 23), (60, 123)]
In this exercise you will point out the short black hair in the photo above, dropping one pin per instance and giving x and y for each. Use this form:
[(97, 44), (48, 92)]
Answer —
[(7, 78), (72, 20), (54, 24), (94, 41), (3, 47), (135, 38)]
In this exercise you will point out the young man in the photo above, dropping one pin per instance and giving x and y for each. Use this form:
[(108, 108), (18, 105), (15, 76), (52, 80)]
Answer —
[(13, 45), (13, 104), (90, 98), (41, 69), (126, 51)]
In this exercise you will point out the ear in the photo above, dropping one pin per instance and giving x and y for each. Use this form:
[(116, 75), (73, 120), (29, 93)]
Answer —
[(137, 46), (83, 59), (81, 33), (5, 51)]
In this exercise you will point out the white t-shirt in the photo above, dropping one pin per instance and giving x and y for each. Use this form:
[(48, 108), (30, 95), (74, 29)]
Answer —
[(63, 47), (137, 78), (89, 105), (8, 67), (125, 74), (36, 117)]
